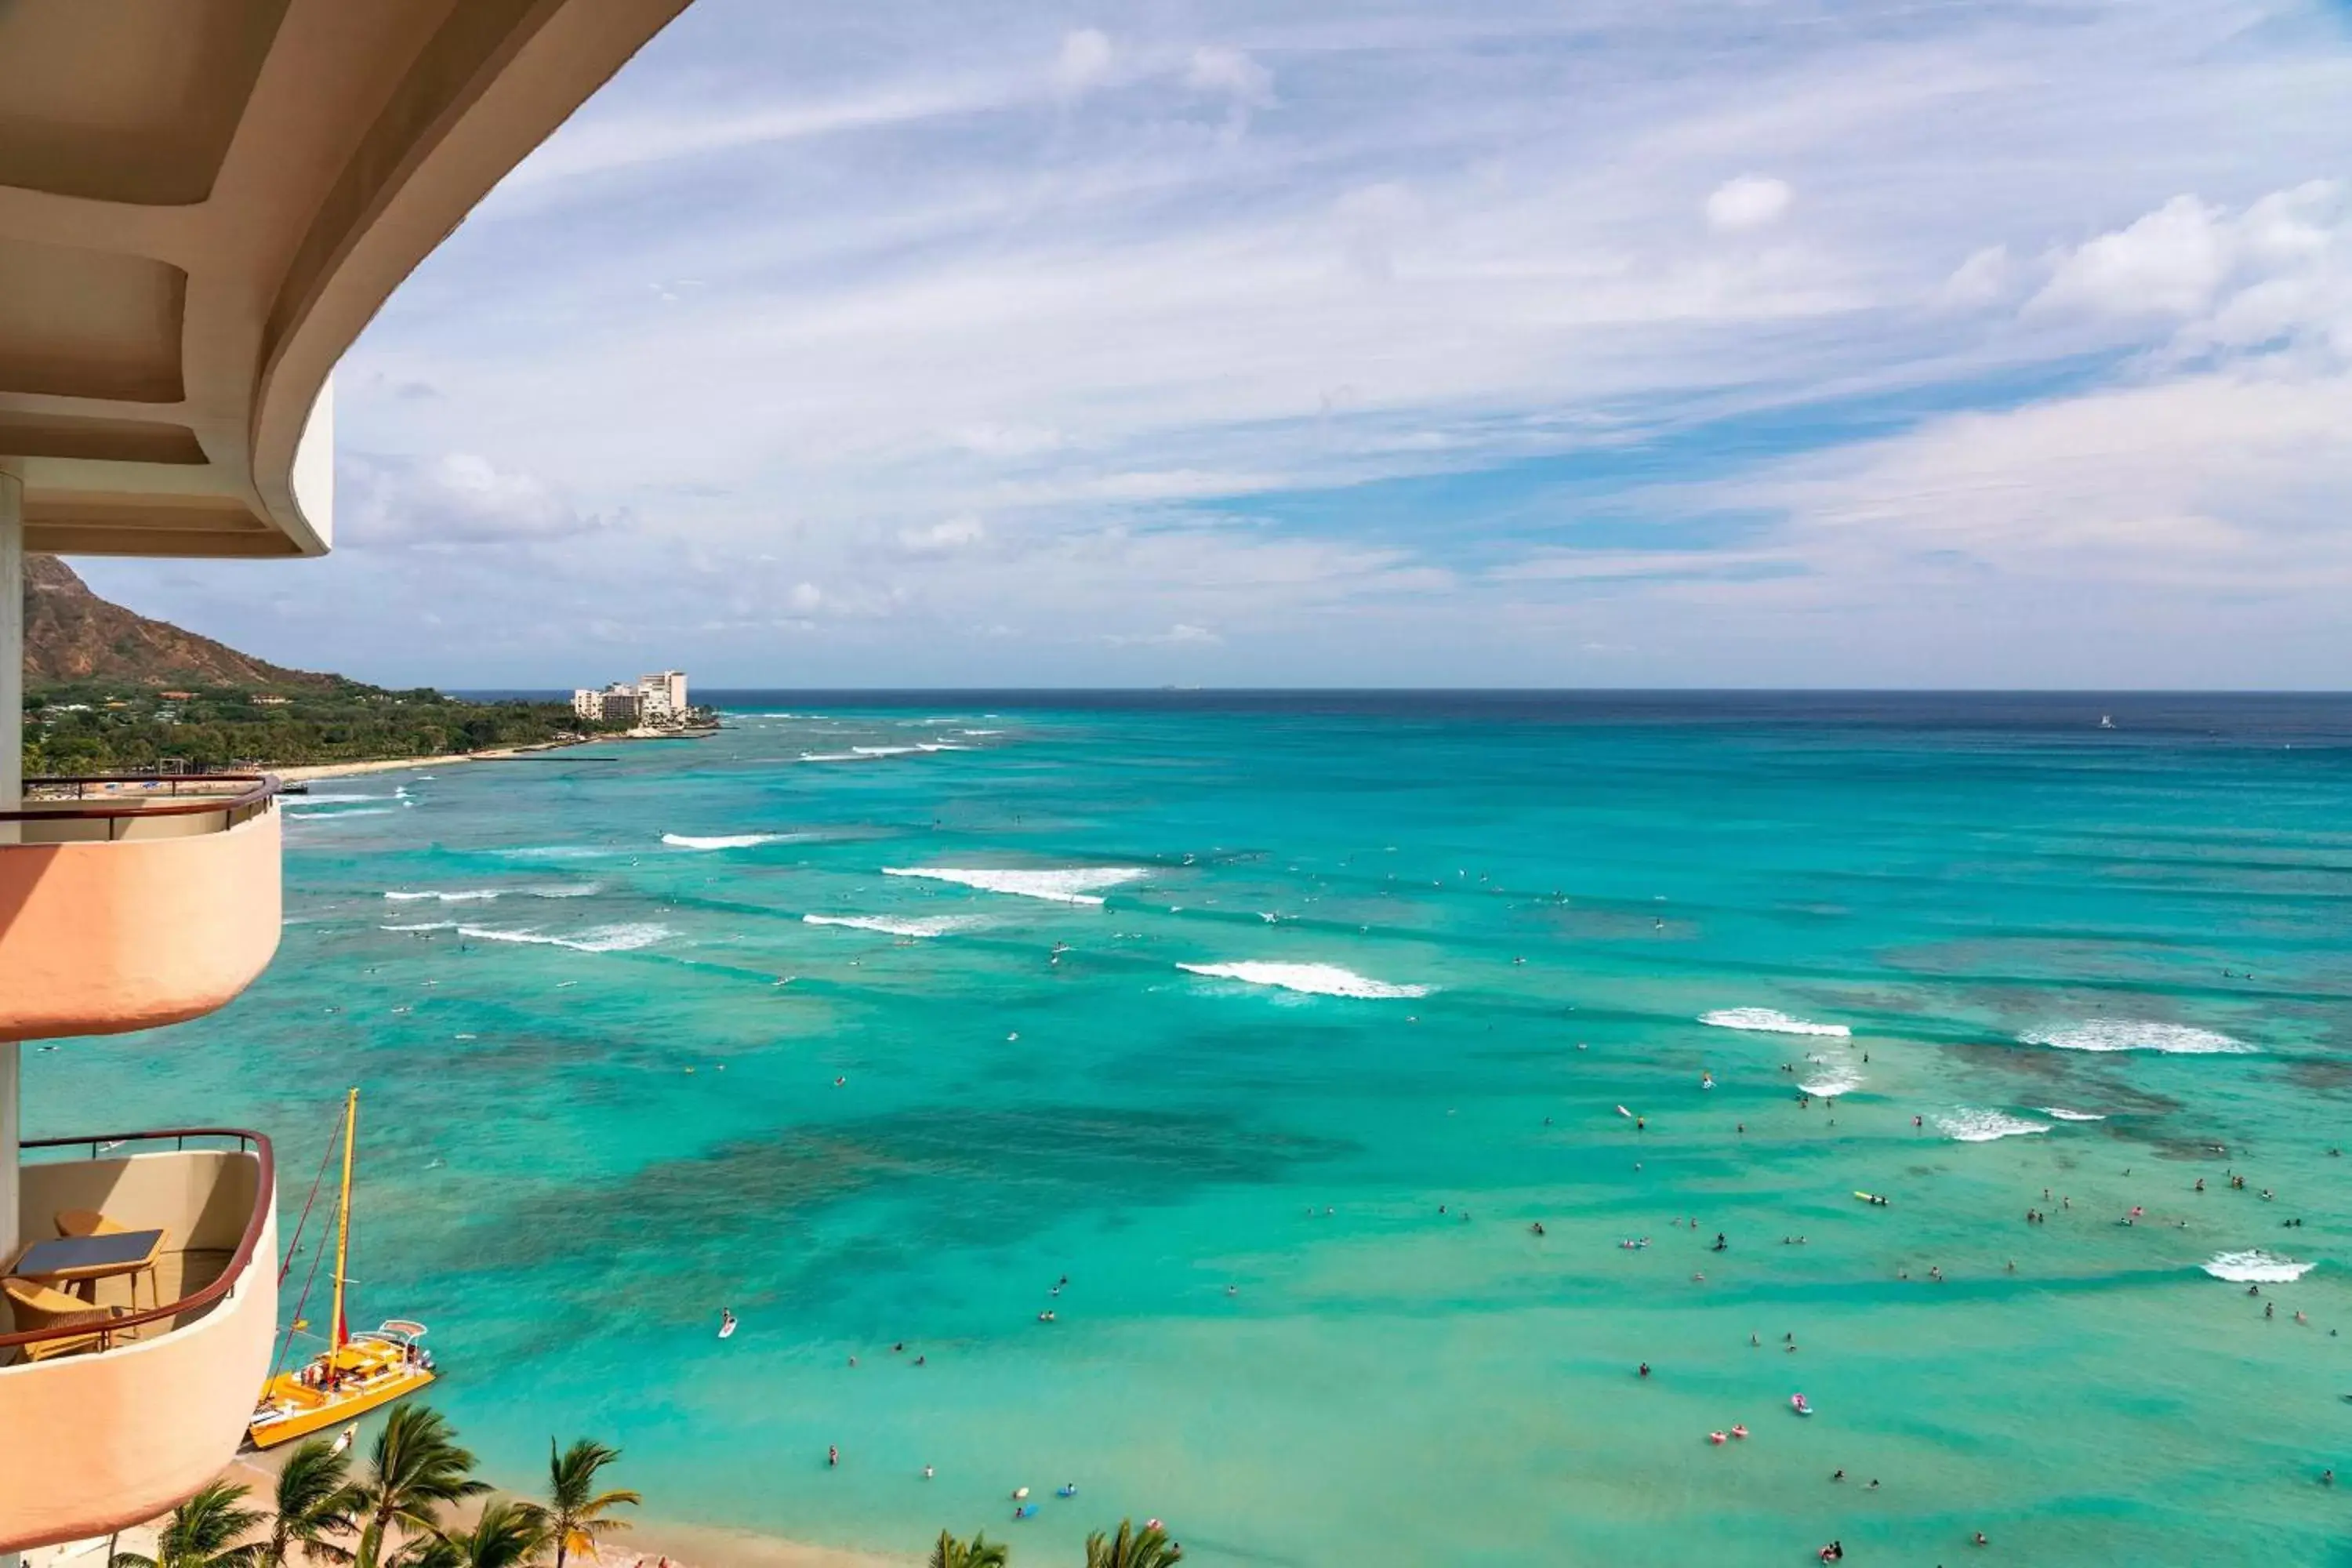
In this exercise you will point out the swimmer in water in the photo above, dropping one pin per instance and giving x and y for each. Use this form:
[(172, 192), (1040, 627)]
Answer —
[(832, 1456)]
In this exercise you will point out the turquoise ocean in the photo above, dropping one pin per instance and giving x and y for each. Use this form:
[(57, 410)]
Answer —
[(1275, 1025)]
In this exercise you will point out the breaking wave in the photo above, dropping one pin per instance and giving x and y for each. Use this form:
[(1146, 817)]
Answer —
[(463, 896), (721, 841), (2063, 1114), (596, 939), (1068, 885), (922, 925), (2255, 1266), (1973, 1126), (1769, 1021), (1829, 1085), (2137, 1035), (1314, 979)]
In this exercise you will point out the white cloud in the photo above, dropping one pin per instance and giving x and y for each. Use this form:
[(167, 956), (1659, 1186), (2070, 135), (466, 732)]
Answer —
[(1982, 280), (456, 498), (1180, 635), (1082, 62), (991, 440), (2168, 263), (1749, 202), (939, 538), (1217, 69)]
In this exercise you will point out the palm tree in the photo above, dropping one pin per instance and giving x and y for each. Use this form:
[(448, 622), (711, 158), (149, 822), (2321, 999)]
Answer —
[(574, 1514), (201, 1533), (1132, 1548), (417, 1466), (506, 1535), (317, 1500), (977, 1553)]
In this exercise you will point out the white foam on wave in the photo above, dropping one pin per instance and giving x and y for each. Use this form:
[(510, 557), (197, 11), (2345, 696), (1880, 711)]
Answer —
[(338, 815), (554, 852), (566, 891), (2255, 1266), (923, 925), (1769, 1021), (595, 939), (2063, 1114), (979, 732), (2137, 1035), (1313, 979), (883, 751), (1829, 1085), (1970, 1125), (462, 896), (719, 841), (330, 799), (422, 925), (1065, 885)]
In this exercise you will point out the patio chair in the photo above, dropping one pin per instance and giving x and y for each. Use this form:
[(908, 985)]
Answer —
[(36, 1307), (85, 1222)]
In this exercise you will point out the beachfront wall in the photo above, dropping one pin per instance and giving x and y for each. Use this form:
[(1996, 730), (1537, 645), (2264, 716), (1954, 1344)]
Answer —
[(164, 924), (96, 1442)]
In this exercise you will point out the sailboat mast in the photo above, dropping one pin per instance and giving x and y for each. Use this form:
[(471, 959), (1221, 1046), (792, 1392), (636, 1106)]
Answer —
[(343, 1215)]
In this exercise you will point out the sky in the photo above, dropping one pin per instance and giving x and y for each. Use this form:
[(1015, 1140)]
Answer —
[(1369, 342)]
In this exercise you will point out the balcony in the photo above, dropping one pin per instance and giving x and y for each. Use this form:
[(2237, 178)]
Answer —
[(127, 903), (110, 1426)]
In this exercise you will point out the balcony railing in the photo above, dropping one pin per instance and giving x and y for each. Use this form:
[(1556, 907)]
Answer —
[(113, 1425), (130, 901)]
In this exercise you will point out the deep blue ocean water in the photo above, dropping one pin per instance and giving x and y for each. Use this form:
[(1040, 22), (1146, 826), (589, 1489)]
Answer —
[(621, 1064)]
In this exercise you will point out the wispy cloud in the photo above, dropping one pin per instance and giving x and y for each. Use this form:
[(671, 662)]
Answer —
[(1004, 335)]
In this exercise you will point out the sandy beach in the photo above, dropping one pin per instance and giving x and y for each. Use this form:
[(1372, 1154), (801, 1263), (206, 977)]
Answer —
[(503, 754), (395, 764)]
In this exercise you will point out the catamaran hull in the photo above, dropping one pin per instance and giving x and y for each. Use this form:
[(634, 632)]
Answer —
[(330, 1410)]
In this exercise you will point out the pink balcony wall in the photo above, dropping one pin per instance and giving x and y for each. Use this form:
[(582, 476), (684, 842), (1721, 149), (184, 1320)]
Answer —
[(167, 923)]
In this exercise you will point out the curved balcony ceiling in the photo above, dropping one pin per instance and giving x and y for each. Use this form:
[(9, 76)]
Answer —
[(203, 202)]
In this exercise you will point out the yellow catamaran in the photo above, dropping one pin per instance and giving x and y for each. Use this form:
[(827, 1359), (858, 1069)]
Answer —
[(355, 1373)]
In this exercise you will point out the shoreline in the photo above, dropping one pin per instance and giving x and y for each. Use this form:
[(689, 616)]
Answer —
[(305, 773)]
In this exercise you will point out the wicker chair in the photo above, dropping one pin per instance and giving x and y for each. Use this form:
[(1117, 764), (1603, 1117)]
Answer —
[(36, 1307)]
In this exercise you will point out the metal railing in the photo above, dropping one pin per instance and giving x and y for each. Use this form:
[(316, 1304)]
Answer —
[(265, 1199), (260, 793)]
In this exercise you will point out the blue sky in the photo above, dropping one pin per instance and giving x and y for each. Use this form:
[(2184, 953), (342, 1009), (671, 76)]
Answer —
[(1633, 343)]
